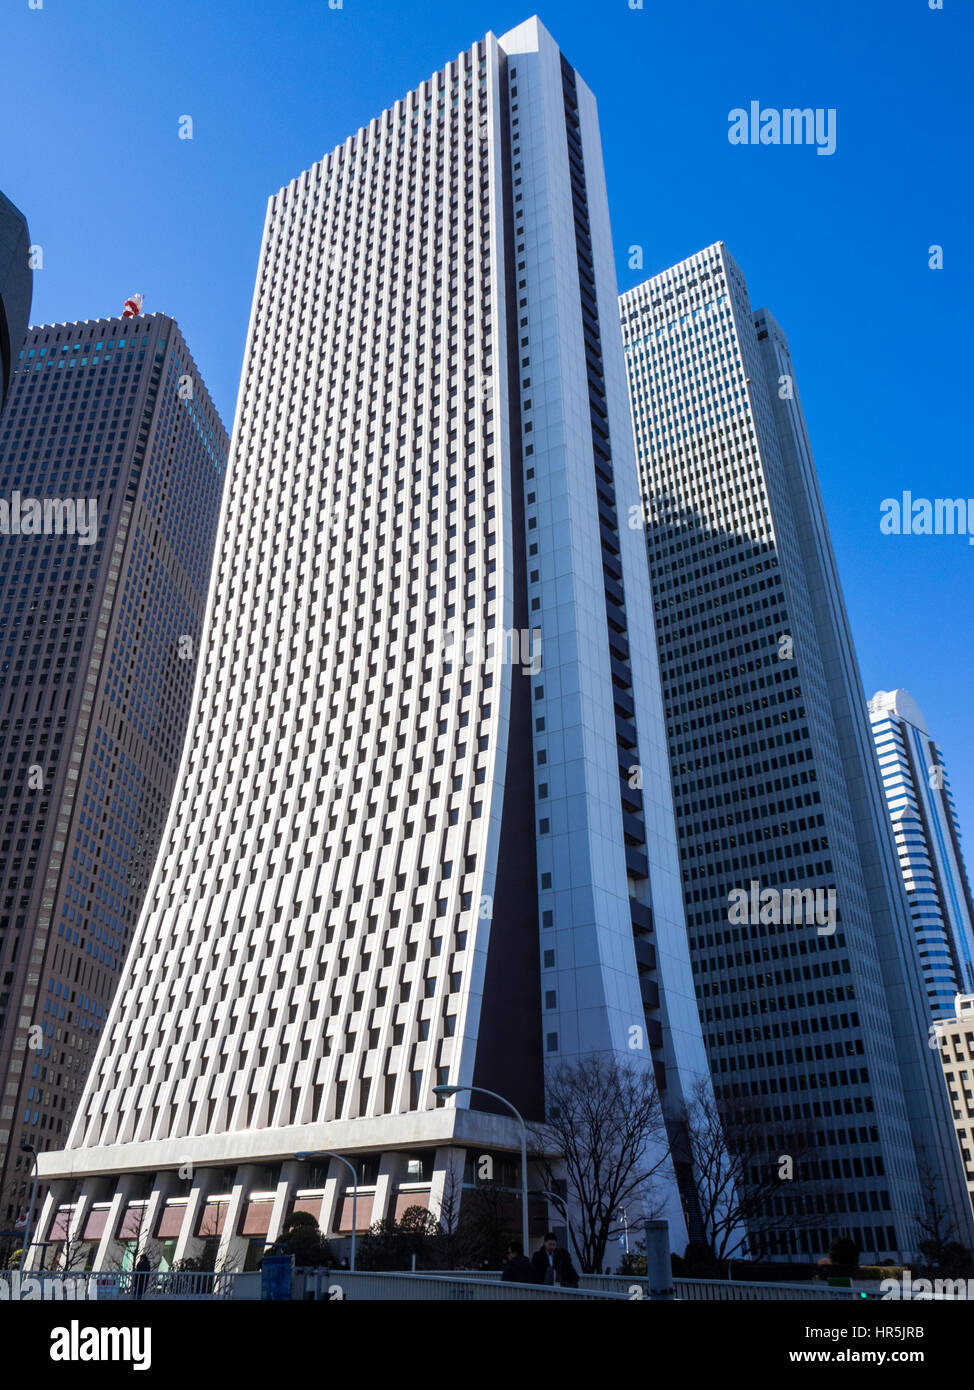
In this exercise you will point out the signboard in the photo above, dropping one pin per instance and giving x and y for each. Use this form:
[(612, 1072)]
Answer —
[(275, 1276)]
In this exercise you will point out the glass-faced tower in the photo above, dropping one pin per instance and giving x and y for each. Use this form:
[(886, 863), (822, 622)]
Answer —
[(809, 989)]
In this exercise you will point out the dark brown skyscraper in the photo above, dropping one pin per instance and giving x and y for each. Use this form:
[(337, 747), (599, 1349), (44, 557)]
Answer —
[(112, 460)]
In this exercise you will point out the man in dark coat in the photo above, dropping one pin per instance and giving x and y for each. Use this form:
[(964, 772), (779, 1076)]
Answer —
[(565, 1272), (553, 1265), (518, 1269), (543, 1260)]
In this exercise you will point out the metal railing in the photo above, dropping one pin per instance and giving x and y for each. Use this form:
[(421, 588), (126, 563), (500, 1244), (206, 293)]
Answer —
[(698, 1290), (450, 1286), (432, 1286), (734, 1291)]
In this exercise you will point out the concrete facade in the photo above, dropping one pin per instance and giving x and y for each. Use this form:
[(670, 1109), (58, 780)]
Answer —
[(423, 832)]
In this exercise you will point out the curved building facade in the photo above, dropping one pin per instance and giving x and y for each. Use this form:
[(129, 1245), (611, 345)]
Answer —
[(423, 833)]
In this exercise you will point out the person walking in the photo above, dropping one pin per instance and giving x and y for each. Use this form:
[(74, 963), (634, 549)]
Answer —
[(518, 1268), (543, 1260), (553, 1265), (565, 1272), (143, 1268)]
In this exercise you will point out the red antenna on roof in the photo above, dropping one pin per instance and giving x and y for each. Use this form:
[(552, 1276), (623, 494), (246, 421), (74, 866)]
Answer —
[(133, 306)]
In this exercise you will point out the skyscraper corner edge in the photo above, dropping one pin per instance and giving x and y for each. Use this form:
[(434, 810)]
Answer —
[(16, 288)]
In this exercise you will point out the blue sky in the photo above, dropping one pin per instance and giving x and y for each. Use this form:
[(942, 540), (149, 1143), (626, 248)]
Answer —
[(836, 246)]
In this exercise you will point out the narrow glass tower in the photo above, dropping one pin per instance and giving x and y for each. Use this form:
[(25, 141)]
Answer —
[(924, 819), (808, 982)]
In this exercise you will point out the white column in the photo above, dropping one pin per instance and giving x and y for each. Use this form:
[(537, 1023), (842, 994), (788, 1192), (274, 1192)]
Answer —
[(286, 1185), (448, 1162), (187, 1245), (82, 1209), (79, 1219), (162, 1187), (43, 1220), (391, 1167), (233, 1247), (104, 1256), (334, 1184)]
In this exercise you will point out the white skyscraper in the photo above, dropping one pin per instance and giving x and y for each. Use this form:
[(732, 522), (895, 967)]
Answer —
[(392, 864), (924, 820)]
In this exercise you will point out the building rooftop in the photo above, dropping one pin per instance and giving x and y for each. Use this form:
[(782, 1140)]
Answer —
[(900, 703)]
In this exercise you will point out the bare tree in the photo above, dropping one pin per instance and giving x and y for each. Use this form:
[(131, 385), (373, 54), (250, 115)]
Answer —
[(937, 1227), (605, 1127), (210, 1260), (73, 1252), (489, 1223), (452, 1235), (737, 1179), (135, 1223)]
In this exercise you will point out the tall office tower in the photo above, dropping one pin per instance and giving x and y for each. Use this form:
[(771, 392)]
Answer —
[(112, 460), (955, 1039), (924, 818), (16, 283), (395, 863), (812, 1005)]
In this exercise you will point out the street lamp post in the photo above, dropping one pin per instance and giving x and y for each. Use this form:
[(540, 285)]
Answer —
[(452, 1091), (327, 1153), (29, 1149)]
